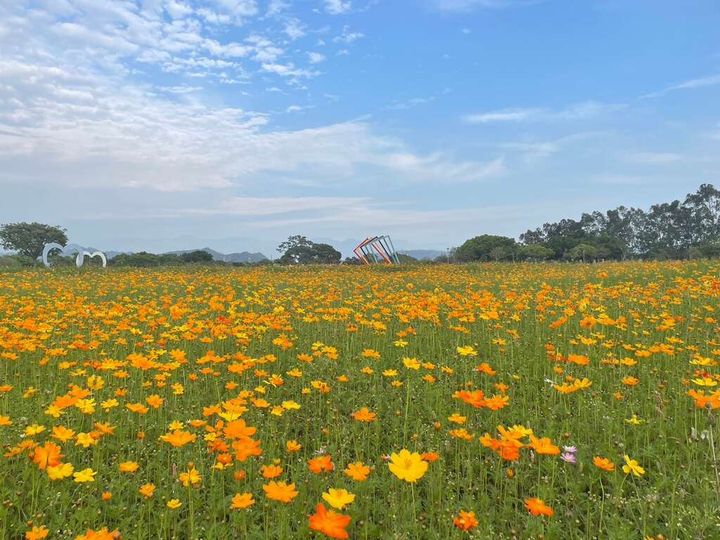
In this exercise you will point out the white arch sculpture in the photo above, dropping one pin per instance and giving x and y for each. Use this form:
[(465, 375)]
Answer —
[(71, 249), (80, 259)]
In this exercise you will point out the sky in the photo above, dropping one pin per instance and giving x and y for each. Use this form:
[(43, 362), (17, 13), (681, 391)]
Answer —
[(176, 124)]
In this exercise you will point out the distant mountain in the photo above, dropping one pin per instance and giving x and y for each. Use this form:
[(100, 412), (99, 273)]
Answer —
[(242, 257), (423, 254)]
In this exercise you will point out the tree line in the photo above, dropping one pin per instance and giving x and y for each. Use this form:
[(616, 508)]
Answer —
[(684, 229)]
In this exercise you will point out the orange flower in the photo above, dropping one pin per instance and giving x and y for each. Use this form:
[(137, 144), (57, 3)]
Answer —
[(154, 401), (241, 501), (147, 490), (321, 464), (329, 523), (37, 533), (293, 446), (47, 455), (430, 457), (357, 471), (246, 448), (364, 415), (544, 446), (271, 471), (178, 438), (280, 491), (102, 534), (238, 429), (465, 521), (537, 507), (128, 467), (603, 463)]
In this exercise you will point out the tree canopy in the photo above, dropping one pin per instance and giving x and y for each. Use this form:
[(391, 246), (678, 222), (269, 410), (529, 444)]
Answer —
[(299, 250), (675, 230), (29, 238)]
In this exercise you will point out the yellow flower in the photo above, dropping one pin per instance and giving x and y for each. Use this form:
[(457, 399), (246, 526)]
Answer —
[(191, 477), (85, 440), (632, 466), (128, 467), (468, 350), (34, 429), (408, 466), (173, 504), (338, 498), (59, 472), (293, 446), (86, 475)]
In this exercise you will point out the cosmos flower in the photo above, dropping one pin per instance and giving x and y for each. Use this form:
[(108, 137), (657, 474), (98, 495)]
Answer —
[(408, 466), (338, 498), (321, 464), (85, 475), (603, 463), (357, 471), (632, 467), (241, 501), (280, 491), (329, 523), (465, 521), (537, 507)]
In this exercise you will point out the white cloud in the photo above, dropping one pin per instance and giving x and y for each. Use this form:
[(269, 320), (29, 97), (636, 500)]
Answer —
[(294, 29), (337, 7), (468, 5), (276, 6), (72, 126), (578, 111), (316, 57), (691, 84), (268, 206), (347, 36), (288, 70)]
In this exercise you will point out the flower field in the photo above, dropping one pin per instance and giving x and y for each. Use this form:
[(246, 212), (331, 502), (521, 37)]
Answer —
[(477, 401)]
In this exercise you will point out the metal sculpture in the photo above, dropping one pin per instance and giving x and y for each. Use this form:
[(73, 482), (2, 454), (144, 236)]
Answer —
[(377, 249), (71, 249)]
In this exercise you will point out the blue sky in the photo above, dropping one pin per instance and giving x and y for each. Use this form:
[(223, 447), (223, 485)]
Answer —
[(170, 124)]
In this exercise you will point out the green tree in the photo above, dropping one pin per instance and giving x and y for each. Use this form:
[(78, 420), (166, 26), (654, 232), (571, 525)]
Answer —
[(535, 252), (197, 256), (582, 252), (481, 248), (299, 250), (29, 238)]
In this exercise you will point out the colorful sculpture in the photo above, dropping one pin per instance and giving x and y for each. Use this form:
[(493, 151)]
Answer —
[(377, 249)]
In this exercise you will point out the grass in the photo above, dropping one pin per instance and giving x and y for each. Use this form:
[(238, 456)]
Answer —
[(240, 342)]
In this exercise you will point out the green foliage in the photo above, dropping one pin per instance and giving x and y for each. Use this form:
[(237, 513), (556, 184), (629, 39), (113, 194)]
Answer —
[(535, 252), (29, 238), (299, 250), (143, 259), (197, 256), (486, 247), (675, 230)]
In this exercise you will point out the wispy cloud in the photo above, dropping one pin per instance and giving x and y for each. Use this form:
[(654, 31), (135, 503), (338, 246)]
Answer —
[(691, 84), (579, 111), (337, 7), (468, 5)]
